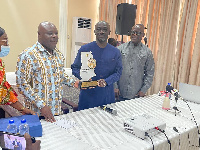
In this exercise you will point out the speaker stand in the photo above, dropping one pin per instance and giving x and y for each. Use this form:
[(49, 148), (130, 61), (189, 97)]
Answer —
[(122, 39)]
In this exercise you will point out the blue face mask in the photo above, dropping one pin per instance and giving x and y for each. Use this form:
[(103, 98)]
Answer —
[(4, 51)]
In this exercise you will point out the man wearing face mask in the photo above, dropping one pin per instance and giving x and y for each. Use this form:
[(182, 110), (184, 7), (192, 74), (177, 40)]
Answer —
[(7, 95), (138, 66), (108, 69), (40, 73)]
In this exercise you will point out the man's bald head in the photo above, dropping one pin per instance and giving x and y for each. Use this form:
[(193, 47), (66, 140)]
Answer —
[(140, 26), (47, 35), (44, 25), (103, 22), (102, 30)]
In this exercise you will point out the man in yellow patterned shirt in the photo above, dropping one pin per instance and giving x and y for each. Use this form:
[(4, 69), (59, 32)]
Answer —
[(40, 73)]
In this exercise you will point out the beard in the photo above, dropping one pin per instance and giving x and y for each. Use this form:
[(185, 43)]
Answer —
[(102, 40)]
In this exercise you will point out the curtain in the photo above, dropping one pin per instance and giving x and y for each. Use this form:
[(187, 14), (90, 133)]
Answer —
[(162, 30), (173, 36), (187, 65), (63, 28)]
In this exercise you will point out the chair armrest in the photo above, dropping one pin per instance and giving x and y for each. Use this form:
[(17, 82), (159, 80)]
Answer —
[(11, 112), (73, 105)]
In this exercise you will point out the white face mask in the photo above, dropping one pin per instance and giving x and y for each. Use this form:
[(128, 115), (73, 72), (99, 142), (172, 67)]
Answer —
[(4, 50)]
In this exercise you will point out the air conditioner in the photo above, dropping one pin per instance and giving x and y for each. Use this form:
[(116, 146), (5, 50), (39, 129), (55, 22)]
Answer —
[(81, 34)]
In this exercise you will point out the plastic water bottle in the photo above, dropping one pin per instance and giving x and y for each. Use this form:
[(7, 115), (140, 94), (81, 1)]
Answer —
[(11, 128), (23, 128)]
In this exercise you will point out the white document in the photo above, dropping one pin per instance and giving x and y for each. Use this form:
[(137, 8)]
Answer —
[(63, 123), (86, 72)]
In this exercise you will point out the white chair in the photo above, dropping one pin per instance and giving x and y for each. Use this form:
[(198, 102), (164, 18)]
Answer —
[(11, 78), (68, 71)]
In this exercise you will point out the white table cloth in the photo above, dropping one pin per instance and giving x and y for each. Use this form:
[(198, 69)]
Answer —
[(95, 129)]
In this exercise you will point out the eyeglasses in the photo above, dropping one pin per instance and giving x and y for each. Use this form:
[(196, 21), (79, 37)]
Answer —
[(102, 29), (136, 33), (4, 42)]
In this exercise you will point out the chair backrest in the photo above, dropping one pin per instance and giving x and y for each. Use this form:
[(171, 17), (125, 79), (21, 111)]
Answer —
[(68, 71), (70, 94), (11, 78)]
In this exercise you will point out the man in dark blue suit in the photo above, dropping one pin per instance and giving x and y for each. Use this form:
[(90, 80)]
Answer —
[(108, 69)]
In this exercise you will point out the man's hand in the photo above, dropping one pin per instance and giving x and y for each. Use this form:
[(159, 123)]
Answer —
[(28, 111), (25, 111), (30, 145), (46, 112), (102, 83), (76, 84), (117, 93), (141, 94)]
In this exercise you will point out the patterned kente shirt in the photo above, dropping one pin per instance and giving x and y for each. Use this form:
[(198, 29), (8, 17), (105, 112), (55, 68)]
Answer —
[(40, 77)]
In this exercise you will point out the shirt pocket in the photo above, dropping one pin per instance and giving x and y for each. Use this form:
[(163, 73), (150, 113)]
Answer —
[(124, 56), (142, 57), (109, 64)]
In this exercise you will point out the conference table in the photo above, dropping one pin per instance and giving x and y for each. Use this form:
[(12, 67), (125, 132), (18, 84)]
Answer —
[(96, 129)]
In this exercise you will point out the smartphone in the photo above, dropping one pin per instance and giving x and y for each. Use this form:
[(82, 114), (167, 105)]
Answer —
[(12, 141)]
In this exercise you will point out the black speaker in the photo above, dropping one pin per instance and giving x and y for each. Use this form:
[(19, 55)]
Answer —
[(125, 19)]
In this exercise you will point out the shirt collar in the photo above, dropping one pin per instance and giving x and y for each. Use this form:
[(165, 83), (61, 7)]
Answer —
[(42, 49), (132, 44)]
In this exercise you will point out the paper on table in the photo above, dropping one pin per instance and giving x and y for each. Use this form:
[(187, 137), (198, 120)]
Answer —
[(63, 123)]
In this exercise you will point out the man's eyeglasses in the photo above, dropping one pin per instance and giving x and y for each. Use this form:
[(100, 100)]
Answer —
[(136, 33), (102, 29)]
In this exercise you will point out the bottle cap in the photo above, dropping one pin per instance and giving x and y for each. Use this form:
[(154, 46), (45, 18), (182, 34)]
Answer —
[(23, 121), (11, 121), (169, 84)]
